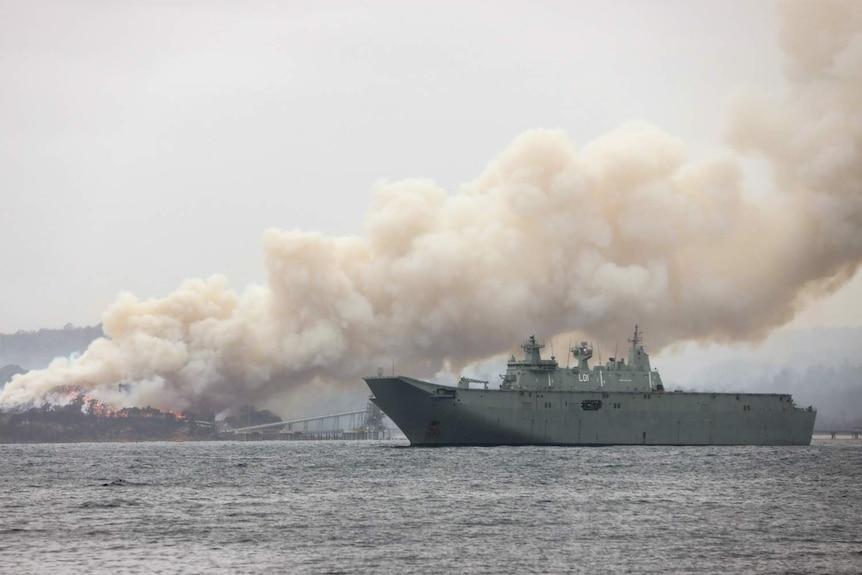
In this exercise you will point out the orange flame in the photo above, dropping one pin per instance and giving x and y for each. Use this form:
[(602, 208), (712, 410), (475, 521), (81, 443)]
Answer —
[(65, 395)]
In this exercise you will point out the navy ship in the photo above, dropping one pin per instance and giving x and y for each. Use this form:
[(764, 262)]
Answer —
[(618, 403)]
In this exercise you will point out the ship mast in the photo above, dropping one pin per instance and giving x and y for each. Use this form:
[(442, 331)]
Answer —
[(636, 345), (638, 337), (638, 357)]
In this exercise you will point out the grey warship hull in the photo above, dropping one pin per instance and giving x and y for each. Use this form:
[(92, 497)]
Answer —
[(435, 415), (622, 402)]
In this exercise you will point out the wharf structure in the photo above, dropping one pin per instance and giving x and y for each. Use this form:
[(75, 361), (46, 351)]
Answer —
[(360, 424)]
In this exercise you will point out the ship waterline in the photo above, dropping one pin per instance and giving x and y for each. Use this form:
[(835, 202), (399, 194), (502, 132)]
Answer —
[(540, 403)]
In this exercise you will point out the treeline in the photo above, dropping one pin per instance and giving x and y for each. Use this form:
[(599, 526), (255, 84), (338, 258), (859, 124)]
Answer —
[(73, 423), (87, 420)]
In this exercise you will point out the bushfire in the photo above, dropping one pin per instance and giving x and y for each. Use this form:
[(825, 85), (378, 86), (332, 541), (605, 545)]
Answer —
[(66, 396)]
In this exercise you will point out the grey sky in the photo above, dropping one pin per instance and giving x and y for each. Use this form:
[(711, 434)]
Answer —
[(142, 143)]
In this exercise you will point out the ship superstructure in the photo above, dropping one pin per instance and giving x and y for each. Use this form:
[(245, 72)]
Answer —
[(536, 374)]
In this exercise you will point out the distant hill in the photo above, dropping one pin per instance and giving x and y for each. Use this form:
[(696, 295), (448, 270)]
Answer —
[(7, 371), (36, 349)]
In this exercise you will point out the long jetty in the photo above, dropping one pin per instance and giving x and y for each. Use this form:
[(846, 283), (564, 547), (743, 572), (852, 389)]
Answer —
[(357, 424)]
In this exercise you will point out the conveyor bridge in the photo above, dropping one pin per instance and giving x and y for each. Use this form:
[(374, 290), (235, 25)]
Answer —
[(357, 424)]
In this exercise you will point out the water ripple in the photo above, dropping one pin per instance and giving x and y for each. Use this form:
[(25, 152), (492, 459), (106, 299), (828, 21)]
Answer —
[(373, 507)]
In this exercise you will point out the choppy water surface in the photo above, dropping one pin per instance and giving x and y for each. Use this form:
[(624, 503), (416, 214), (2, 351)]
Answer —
[(377, 507)]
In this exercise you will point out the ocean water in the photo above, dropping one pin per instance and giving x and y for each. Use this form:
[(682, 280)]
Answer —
[(380, 507)]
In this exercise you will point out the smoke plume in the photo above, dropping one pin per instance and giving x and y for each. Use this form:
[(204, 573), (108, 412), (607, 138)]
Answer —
[(551, 237)]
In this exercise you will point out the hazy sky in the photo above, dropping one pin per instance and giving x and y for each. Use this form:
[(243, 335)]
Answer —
[(143, 143)]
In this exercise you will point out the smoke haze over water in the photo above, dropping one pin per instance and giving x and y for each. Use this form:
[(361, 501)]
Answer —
[(553, 236)]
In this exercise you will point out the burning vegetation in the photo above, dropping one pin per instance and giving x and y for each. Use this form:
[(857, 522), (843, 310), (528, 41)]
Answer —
[(76, 398), (72, 416)]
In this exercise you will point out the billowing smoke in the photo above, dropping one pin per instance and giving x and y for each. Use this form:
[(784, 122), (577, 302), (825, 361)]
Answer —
[(551, 238)]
